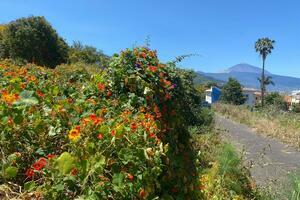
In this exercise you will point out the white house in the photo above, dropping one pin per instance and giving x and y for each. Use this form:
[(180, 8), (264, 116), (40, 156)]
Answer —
[(251, 95), (295, 97)]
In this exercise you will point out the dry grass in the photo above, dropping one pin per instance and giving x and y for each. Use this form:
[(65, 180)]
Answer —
[(284, 126)]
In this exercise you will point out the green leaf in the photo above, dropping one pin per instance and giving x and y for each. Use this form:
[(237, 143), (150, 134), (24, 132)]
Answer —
[(65, 163), (28, 186), (11, 172)]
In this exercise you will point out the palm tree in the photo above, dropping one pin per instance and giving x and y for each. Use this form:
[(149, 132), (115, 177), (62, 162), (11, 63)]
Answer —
[(268, 81), (264, 47)]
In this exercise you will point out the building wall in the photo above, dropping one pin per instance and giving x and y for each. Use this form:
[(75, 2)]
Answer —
[(250, 98)]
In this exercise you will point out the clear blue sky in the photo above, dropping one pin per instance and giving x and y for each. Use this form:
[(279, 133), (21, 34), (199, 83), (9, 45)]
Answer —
[(223, 32)]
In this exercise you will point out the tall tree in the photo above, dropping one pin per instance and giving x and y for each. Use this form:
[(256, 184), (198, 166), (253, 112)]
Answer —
[(264, 47), (33, 40), (232, 92)]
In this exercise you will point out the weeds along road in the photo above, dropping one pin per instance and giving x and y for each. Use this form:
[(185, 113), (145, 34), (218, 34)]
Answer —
[(269, 160)]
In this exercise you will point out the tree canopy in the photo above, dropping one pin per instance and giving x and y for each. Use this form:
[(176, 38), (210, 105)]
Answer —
[(33, 40), (232, 92), (87, 54)]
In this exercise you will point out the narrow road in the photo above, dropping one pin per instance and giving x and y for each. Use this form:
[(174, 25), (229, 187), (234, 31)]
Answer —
[(270, 161)]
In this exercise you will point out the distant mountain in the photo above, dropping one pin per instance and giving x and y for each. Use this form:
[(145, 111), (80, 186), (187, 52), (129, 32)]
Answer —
[(247, 75), (202, 78), (244, 68)]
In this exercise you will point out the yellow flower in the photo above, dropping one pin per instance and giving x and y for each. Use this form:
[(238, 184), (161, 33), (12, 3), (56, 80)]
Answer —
[(74, 134)]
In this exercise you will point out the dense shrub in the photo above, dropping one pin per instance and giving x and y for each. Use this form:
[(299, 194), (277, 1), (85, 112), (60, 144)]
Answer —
[(33, 40), (80, 132), (276, 100)]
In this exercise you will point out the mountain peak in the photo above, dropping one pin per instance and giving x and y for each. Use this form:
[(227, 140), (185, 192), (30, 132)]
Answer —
[(244, 68)]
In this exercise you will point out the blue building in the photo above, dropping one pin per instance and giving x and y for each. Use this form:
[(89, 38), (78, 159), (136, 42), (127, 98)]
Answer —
[(212, 95)]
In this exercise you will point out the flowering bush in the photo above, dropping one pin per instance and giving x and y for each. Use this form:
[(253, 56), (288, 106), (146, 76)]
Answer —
[(82, 132)]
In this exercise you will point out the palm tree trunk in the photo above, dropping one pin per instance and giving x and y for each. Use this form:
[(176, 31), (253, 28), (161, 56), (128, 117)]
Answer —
[(263, 83)]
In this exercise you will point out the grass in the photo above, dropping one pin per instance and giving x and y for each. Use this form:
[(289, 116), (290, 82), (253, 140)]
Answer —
[(270, 122), (223, 175)]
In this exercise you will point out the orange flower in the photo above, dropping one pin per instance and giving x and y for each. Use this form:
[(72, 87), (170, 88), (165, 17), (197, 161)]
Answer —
[(74, 134), (113, 132), (152, 68), (143, 55), (101, 87), (50, 156), (95, 119)]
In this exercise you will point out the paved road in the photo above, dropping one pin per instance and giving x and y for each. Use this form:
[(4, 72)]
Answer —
[(270, 161)]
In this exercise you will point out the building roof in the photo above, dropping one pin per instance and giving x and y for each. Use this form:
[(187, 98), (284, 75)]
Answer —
[(210, 90), (250, 90)]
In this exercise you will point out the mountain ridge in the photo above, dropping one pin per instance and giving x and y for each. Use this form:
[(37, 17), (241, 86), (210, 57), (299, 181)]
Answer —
[(248, 76)]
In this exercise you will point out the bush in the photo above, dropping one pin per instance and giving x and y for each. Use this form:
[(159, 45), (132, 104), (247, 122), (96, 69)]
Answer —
[(82, 132), (296, 108), (33, 40), (276, 100)]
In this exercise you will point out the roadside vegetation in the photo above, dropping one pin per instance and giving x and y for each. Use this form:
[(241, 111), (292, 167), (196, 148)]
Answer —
[(77, 124), (269, 121)]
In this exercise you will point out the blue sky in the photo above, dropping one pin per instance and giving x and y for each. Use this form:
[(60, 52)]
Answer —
[(222, 32)]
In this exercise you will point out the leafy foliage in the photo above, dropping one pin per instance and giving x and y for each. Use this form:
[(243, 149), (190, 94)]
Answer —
[(91, 133), (276, 100), (33, 40), (232, 92), (87, 55)]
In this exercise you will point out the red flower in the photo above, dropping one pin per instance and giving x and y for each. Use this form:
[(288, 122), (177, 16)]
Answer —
[(152, 68), (40, 94), (29, 173), (113, 132), (50, 156), (130, 177), (142, 193), (77, 128), (101, 87), (100, 136), (168, 96), (38, 165), (109, 93), (151, 135), (133, 126), (95, 119), (74, 172)]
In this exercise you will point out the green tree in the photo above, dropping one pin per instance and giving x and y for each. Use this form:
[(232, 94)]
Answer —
[(87, 54), (232, 92), (277, 100), (264, 47), (33, 40)]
